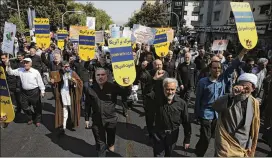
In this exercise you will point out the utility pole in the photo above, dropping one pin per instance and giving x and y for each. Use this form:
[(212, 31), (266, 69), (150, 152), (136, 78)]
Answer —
[(18, 7)]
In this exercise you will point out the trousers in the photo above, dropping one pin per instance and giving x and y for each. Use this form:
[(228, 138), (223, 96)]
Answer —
[(207, 128), (164, 143), (65, 115), (32, 97), (104, 137)]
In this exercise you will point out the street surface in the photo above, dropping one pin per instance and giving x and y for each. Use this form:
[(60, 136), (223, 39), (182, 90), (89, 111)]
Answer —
[(22, 140)]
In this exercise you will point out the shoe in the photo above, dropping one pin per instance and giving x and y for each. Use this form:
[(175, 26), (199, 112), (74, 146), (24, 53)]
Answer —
[(111, 148), (30, 122), (61, 131), (125, 114), (38, 124)]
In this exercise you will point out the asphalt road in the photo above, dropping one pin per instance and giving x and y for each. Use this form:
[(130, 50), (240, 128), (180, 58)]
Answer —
[(22, 140)]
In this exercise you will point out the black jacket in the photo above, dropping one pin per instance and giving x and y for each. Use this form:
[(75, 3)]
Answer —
[(169, 66), (11, 80), (170, 116), (103, 102), (186, 74), (82, 69), (200, 62), (37, 63)]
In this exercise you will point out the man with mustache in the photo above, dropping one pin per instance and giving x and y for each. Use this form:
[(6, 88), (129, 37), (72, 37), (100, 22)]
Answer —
[(237, 129), (170, 111)]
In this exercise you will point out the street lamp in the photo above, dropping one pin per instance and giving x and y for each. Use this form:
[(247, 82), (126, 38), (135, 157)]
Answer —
[(79, 12), (177, 17)]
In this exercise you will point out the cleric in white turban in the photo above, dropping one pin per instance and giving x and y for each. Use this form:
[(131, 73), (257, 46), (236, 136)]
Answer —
[(237, 129)]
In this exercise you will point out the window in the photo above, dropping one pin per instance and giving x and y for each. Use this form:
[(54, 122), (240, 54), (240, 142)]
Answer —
[(195, 13), (186, 3), (185, 12), (201, 18), (216, 16), (195, 4), (178, 4), (264, 8), (201, 3)]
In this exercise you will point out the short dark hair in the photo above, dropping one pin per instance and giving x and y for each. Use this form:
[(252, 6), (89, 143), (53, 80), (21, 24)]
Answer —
[(21, 53), (5, 54), (249, 60), (65, 62)]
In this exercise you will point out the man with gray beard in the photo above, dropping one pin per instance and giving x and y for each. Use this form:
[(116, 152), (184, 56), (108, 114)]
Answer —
[(169, 114)]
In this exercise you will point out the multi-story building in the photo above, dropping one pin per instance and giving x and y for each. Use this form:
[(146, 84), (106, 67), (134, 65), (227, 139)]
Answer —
[(216, 21), (187, 11)]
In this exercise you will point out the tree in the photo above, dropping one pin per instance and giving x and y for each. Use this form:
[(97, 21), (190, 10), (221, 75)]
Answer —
[(20, 25), (150, 15)]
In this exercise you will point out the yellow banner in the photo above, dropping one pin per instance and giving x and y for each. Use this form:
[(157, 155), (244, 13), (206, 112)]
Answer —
[(245, 24), (74, 32), (86, 43), (161, 43), (61, 44), (41, 21), (6, 106), (122, 61), (62, 32), (43, 40)]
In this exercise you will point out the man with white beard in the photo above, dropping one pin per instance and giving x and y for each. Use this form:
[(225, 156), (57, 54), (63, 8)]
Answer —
[(169, 114)]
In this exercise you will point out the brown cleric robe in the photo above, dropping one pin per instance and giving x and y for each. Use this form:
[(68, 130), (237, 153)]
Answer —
[(76, 94)]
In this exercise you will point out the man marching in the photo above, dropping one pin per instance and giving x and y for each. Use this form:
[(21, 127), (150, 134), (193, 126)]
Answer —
[(237, 129), (68, 96), (32, 89)]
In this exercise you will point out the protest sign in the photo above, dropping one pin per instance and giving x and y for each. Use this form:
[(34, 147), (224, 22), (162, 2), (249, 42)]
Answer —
[(42, 32), (8, 37), (6, 105), (127, 33), (74, 32), (143, 34), (90, 23), (99, 36), (62, 34), (219, 45), (160, 43), (170, 35), (245, 24), (86, 48), (115, 32), (122, 61)]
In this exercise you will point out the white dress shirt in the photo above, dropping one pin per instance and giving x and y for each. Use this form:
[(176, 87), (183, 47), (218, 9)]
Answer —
[(30, 79)]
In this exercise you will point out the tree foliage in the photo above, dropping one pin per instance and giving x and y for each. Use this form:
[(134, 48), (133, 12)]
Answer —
[(54, 9), (149, 15)]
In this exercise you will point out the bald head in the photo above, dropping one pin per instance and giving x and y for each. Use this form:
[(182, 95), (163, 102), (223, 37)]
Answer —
[(32, 51), (215, 58), (157, 64), (187, 57)]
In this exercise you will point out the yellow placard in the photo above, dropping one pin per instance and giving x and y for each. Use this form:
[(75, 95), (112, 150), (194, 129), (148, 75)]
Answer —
[(86, 43), (122, 61), (41, 21), (43, 40), (6, 105), (245, 24), (62, 32), (161, 43), (74, 31)]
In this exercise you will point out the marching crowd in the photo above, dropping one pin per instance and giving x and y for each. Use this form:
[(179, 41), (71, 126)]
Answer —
[(233, 94)]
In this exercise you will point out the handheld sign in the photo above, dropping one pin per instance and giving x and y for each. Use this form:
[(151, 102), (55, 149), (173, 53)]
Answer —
[(42, 32), (62, 34), (245, 24), (7, 111), (86, 44), (122, 61), (160, 43)]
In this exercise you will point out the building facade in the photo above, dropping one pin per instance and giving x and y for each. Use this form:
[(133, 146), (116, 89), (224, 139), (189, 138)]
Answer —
[(186, 10), (216, 21)]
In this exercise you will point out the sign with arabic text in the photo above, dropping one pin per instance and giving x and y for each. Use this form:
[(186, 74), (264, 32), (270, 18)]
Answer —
[(219, 45), (7, 112), (122, 61), (42, 32), (86, 48), (8, 37), (62, 34), (245, 24), (161, 43)]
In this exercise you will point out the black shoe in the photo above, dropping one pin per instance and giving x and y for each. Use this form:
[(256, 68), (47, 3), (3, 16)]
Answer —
[(61, 131), (52, 98)]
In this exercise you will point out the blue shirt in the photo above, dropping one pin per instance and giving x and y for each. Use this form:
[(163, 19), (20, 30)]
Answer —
[(208, 92)]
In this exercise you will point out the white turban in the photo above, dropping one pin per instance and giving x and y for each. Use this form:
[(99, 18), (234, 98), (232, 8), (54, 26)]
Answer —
[(262, 61), (249, 77)]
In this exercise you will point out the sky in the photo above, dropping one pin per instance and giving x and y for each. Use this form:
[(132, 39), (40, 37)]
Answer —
[(120, 11)]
